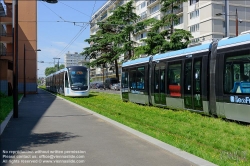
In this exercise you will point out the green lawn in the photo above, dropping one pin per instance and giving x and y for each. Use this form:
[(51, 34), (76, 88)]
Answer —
[(6, 105), (218, 141)]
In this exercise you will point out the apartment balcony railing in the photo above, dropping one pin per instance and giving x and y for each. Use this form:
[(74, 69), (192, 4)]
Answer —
[(104, 16), (103, 9), (142, 17), (6, 34), (6, 53), (151, 1), (6, 38), (177, 11)]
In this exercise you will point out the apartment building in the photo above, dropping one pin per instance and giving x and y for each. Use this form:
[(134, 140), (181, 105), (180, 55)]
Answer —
[(27, 36), (75, 59), (197, 16)]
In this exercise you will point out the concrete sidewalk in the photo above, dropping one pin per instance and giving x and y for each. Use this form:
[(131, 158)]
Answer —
[(53, 131)]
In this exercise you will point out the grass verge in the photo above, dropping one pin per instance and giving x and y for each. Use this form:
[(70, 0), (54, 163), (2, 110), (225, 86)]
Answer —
[(223, 143), (6, 105)]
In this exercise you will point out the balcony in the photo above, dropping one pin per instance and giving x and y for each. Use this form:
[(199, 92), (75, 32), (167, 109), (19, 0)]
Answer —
[(142, 18), (152, 2), (8, 1), (6, 54), (178, 11), (6, 38), (5, 20)]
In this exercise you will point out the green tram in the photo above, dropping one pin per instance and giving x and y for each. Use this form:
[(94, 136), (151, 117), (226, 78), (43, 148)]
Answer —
[(212, 79)]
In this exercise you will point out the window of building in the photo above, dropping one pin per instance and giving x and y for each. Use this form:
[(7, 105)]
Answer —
[(191, 2), (140, 6), (194, 14), (195, 28), (180, 21), (143, 4), (143, 15), (155, 9)]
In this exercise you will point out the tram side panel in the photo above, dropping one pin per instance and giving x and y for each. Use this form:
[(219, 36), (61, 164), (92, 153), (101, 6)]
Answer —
[(233, 78), (135, 84), (181, 82)]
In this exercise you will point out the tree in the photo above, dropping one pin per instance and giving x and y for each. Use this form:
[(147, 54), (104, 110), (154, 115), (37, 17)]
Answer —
[(171, 18), (160, 39), (50, 70), (113, 38)]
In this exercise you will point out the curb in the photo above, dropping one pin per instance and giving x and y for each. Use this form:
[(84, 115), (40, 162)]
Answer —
[(176, 151), (7, 119)]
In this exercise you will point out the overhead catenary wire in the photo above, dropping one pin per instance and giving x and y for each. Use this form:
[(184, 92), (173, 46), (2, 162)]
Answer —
[(53, 11), (71, 42), (78, 34), (74, 9)]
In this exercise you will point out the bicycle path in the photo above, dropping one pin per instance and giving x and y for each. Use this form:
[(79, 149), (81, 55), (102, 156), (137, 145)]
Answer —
[(52, 131)]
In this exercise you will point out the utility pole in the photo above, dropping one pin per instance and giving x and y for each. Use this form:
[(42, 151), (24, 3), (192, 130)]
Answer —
[(227, 33), (15, 57), (57, 63)]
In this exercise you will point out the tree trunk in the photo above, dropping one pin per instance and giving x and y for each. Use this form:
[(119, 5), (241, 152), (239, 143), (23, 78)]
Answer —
[(116, 70)]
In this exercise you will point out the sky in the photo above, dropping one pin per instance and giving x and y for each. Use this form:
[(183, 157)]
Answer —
[(56, 32)]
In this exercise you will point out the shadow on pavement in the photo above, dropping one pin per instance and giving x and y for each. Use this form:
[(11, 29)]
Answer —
[(18, 134)]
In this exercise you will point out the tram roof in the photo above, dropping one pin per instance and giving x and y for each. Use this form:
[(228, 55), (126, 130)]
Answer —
[(186, 51), (136, 61), (239, 40)]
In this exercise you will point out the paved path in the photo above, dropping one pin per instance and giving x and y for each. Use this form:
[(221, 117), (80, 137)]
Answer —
[(51, 131)]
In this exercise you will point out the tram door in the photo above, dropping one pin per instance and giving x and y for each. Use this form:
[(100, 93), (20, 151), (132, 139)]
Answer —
[(192, 84), (159, 84)]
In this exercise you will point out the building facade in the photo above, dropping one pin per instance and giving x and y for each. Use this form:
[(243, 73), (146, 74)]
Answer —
[(197, 16), (27, 46), (75, 59)]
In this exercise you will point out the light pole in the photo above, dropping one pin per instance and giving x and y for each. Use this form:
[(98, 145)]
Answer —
[(15, 50), (15, 57), (24, 69), (236, 21)]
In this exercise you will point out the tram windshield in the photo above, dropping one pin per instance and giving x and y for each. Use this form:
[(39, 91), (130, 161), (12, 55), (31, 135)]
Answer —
[(78, 77)]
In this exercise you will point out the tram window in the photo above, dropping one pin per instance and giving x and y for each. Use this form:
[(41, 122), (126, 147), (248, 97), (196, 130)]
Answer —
[(124, 79), (132, 79), (237, 73), (140, 77), (137, 78), (174, 79), (66, 80)]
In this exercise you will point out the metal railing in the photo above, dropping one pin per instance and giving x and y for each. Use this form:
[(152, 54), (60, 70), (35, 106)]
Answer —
[(6, 34), (6, 53), (151, 1)]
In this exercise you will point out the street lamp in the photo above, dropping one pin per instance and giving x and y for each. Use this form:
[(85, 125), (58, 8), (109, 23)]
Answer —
[(236, 21), (15, 50), (24, 69), (51, 1)]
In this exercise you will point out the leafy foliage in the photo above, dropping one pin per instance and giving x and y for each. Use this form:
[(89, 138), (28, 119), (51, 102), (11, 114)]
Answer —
[(113, 38), (160, 38), (50, 70)]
